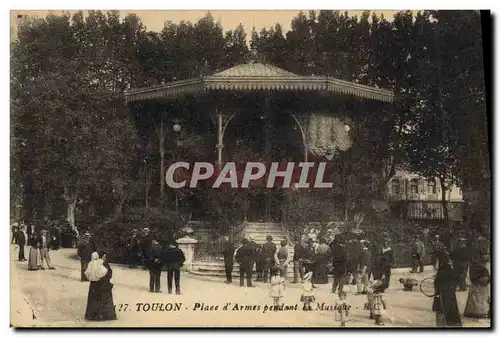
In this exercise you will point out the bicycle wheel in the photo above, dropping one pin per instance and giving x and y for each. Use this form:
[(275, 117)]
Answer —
[(427, 287)]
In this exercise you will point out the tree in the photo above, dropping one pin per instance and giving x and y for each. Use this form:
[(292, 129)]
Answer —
[(450, 93), (68, 101), (305, 215), (300, 46), (236, 49)]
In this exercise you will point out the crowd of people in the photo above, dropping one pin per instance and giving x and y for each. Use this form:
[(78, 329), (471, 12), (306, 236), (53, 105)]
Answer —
[(39, 242), (349, 257), (353, 260)]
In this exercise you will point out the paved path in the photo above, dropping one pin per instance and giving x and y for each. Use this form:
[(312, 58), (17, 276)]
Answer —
[(58, 298)]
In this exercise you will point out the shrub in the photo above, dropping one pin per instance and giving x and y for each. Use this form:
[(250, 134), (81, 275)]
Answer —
[(114, 235)]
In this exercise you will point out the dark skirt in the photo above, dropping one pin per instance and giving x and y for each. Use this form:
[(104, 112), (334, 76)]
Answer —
[(320, 274), (100, 306), (446, 305)]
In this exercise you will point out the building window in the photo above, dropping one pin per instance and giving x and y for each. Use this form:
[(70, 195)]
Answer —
[(431, 186), (414, 186), (396, 186)]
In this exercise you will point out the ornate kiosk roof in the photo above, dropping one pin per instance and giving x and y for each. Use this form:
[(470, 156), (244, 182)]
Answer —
[(254, 77)]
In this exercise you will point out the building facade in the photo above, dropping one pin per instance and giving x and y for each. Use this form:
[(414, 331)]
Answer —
[(418, 198)]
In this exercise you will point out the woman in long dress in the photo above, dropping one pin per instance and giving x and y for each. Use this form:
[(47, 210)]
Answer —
[(445, 302), (479, 292), (34, 261), (100, 306)]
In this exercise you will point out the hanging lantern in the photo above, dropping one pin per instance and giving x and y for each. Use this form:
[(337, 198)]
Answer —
[(177, 127)]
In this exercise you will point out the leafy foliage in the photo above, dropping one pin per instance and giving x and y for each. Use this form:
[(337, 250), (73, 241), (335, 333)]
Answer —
[(74, 142)]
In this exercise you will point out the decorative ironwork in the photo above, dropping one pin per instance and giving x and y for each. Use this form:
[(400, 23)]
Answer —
[(211, 250), (302, 121)]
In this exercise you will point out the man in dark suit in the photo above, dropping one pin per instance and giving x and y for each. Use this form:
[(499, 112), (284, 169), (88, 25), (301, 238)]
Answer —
[(145, 243), (134, 249), (245, 257), (228, 253), (298, 267), (340, 259), (256, 253), (55, 235), (460, 258), (154, 265), (268, 252), (14, 228), (21, 242), (173, 259)]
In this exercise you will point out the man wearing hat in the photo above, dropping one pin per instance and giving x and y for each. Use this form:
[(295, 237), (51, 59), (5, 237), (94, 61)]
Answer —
[(256, 253), (298, 262), (417, 255), (460, 257), (245, 258), (339, 258), (146, 243), (154, 264), (85, 249), (228, 254), (268, 253), (20, 237), (438, 248), (134, 249)]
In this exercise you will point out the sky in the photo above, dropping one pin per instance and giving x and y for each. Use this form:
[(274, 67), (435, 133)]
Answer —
[(230, 19)]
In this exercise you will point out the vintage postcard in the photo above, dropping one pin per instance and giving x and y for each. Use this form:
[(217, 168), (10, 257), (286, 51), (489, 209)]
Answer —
[(315, 168)]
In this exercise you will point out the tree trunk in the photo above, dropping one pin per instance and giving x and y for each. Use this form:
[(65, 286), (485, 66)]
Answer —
[(71, 206), (147, 185), (70, 198), (162, 160), (444, 202)]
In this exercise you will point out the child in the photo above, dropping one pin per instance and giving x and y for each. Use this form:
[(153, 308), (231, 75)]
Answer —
[(277, 285), (307, 295), (376, 304), (342, 309), (408, 283)]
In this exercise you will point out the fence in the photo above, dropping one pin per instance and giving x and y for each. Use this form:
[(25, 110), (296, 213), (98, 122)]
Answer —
[(211, 250)]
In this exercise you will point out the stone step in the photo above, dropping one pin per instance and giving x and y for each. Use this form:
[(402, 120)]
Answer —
[(262, 238), (263, 225), (264, 229), (218, 270), (265, 234)]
